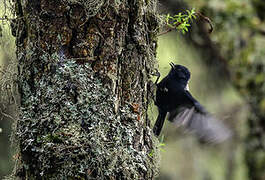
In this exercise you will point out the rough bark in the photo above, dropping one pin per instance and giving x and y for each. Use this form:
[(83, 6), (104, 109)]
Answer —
[(83, 79)]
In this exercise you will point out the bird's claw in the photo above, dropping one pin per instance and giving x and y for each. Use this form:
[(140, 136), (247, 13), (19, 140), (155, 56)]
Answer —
[(156, 73)]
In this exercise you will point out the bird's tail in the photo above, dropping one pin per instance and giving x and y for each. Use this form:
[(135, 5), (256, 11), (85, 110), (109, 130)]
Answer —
[(206, 127), (159, 122)]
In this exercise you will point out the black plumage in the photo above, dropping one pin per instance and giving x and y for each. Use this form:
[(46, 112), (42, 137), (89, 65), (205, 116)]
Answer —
[(174, 100)]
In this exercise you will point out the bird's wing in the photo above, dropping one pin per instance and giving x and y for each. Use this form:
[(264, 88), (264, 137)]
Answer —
[(197, 120), (194, 102)]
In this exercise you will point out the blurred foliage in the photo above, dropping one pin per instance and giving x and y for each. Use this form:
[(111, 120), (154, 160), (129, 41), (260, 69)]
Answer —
[(183, 157), (238, 38), (260, 7), (7, 100)]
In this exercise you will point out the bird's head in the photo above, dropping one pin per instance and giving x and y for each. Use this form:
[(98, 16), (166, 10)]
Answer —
[(179, 72)]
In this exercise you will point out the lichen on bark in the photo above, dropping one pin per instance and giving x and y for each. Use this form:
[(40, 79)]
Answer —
[(84, 82)]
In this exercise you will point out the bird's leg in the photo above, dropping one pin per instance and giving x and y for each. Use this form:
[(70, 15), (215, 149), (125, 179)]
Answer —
[(156, 73)]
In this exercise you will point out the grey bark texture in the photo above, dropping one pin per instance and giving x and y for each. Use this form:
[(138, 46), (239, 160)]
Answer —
[(84, 69)]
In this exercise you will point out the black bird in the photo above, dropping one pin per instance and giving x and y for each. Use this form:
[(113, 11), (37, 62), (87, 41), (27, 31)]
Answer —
[(173, 98)]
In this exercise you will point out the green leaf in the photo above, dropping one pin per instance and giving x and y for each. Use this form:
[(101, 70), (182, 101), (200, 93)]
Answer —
[(181, 21)]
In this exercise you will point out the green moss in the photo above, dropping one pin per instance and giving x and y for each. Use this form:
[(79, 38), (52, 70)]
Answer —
[(71, 125), (91, 7), (86, 129)]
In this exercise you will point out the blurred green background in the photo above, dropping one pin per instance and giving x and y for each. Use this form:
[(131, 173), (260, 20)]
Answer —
[(238, 39), (7, 106), (183, 157)]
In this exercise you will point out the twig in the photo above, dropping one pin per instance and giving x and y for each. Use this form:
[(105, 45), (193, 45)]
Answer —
[(205, 18), (165, 32)]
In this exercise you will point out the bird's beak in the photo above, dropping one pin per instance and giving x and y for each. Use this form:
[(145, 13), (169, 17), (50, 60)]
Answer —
[(172, 65)]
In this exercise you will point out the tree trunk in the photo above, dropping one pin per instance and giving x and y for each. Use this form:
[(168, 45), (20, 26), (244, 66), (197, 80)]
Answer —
[(83, 79)]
